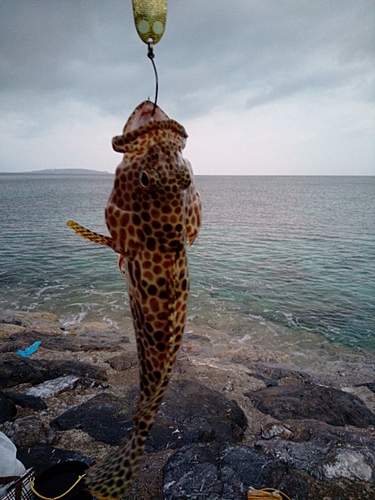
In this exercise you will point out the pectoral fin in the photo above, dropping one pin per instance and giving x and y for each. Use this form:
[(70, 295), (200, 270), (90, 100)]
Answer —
[(91, 235)]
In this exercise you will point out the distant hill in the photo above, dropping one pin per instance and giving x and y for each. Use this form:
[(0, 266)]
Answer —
[(70, 171)]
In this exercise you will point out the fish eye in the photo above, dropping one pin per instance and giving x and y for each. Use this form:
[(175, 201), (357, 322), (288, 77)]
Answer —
[(144, 179)]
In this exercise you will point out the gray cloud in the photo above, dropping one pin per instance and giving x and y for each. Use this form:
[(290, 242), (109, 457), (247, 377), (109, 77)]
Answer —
[(245, 53)]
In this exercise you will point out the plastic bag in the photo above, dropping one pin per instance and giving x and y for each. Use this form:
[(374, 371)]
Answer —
[(9, 465)]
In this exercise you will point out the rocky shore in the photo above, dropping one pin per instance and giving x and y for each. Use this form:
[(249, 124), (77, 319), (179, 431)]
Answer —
[(235, 415)]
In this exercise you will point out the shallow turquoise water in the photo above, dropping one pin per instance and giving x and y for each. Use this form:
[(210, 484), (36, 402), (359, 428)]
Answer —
[(287, 257)]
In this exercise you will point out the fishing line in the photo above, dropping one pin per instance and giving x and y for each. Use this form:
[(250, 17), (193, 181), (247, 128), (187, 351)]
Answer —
[(150, 55)]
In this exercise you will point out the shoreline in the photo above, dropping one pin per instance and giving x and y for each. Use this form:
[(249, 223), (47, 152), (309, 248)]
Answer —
[(304, 347)]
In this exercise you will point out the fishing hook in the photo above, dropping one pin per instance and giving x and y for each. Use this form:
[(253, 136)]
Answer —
[(150, 55)]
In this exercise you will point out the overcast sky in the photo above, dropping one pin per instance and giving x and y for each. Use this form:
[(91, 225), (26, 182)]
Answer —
[(263, 87)]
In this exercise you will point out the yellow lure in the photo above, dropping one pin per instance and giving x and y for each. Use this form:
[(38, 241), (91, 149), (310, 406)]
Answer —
[(150, 17)]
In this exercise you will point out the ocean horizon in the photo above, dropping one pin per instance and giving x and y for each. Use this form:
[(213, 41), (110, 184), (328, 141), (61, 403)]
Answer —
[(88, 171)]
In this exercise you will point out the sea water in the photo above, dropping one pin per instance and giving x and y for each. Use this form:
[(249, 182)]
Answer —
[(288, 262)]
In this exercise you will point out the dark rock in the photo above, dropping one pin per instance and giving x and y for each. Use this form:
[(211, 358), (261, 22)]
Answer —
[(103, 417), (192, 472), (8, 409), (190, 413), (193, 413), (369, 385), (44, 456), (195, 336), (67, 343), (223, 472), (324, 451), (6, 317), (62, 368), (26, 401), (272, 375), (123, 361), (105, 339), (48, 340), (11, 347), (15, 370), (314, 402), (29, 431)]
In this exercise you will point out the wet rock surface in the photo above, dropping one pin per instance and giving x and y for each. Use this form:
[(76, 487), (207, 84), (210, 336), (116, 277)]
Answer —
[(234, 416), (62, 343), (103, 417), (327, 404), (222, 472), (123, 361), (29, 431), (190, 413), (370, 385), (15, 370), (324, 451), (193, 413), (214, 472)]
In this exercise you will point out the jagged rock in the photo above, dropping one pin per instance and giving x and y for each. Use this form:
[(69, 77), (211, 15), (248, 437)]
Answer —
[(281, 430), (41, 320), (53, 341), (8, 409), (7, 318), (11, 347), (324, 451), (63, 368), (26, 401), (224, 472), (9, 329), (314, 402), (15, 370), (44, 456), (369, 385), (190, 413), (20, 329), (103, 417), (29, 431), (91, 382), (123, 361), (61, 342), (272, 376)]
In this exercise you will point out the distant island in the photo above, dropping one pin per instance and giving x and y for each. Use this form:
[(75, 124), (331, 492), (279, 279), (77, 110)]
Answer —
[(70, 171)]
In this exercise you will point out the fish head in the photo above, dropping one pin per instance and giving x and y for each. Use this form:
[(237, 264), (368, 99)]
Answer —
[(151, 182), (142, 115), (147, 120)]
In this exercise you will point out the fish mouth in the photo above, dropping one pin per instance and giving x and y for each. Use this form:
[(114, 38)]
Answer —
[(143, 114)]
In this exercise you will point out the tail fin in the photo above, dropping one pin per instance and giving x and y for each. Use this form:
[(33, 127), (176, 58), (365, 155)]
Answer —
[(91, 235), (110, 478)]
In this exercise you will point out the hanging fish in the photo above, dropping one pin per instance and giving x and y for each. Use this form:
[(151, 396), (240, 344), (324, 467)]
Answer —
[(153, 212)]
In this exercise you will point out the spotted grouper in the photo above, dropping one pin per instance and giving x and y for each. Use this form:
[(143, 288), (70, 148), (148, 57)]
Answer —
[(153, 213)]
